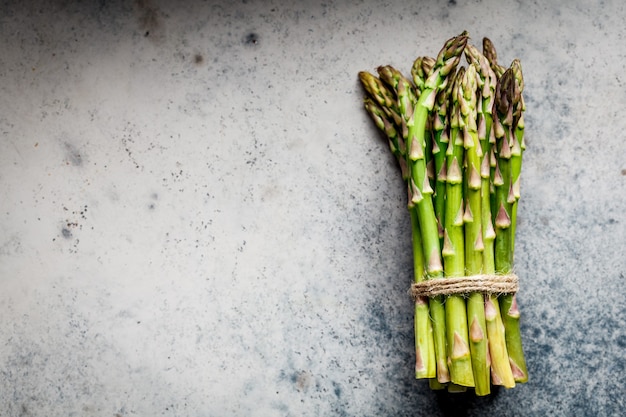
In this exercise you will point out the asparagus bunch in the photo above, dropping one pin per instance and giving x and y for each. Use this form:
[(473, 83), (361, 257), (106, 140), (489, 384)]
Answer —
[(457, 133)]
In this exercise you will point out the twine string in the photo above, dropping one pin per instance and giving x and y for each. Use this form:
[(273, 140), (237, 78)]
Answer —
[(486, 284)]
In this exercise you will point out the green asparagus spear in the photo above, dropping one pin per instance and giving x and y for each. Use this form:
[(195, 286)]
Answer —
[(425, 366), (453, 248), (500, 368), (473, 230), (421, 191), (506, 100)]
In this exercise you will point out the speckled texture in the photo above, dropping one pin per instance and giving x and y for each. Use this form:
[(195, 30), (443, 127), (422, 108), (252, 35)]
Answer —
[(198, 218)]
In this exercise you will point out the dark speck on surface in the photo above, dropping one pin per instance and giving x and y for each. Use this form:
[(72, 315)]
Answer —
[(337, 389), (152, 204), (149, 20), (72, 155), (378, 322), (251, 39), (67, 233)]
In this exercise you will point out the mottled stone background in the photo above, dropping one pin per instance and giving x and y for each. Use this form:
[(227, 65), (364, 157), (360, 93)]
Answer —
[(197, 218)]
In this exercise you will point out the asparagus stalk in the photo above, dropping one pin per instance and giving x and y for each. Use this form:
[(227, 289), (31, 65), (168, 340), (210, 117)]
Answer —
[(425, 359), (421, 70), (453, 247), (473, 230), (421, 191), (518, 144), (403, 106), (506, 100), (440, 145), (425, 366), (428, 364), (500, 369), (420, 199)]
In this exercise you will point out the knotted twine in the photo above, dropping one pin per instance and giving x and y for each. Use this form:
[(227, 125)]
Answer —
[(486, 284)]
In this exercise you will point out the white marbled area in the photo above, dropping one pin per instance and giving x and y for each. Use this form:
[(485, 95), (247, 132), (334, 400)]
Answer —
[(198, 218)]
